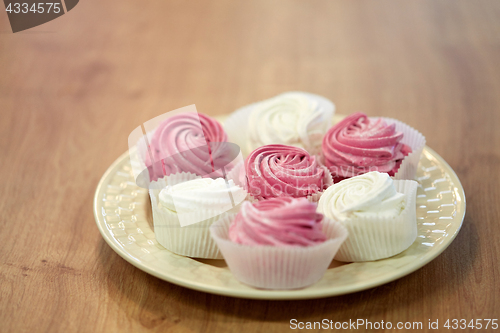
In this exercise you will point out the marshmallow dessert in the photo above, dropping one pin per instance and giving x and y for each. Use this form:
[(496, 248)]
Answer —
[(360, 144), (279, 210), (185, 143), (294, 118), (378, 212), (280, 243), (184, 209), (284, 171)]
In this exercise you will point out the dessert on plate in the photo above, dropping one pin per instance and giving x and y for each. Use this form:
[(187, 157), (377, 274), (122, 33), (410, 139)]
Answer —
[(263, 212), (360, 144), (186, 159), (186, 205), (187, 142), (279, 243), (378, 212)]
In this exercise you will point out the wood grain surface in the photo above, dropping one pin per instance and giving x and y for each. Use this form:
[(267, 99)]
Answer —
[(73, 89)]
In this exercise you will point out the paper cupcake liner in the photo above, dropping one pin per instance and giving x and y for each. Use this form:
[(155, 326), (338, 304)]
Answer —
[(328, 179), (377, 237), (414, 139), (236, 125), (191, 240), (235, 174), (286, 267)]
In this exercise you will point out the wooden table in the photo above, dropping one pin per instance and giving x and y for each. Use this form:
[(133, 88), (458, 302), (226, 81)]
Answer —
[(72, 90)]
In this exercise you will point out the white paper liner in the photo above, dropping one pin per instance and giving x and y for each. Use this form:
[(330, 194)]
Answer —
[(236, 125), (377, 237), (414, 139), (235, 174), (327, 179), (286, 267), (192, 240)]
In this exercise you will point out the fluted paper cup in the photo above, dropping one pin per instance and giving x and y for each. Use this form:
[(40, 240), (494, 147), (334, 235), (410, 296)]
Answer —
[(416, 141), (192, 240), (238, 174), (286, 267), (378, 237)]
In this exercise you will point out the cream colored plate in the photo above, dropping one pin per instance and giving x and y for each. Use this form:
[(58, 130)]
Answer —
[(122, 213)]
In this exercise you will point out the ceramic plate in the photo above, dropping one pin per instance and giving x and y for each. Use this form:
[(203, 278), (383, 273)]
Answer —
[(122, 212)]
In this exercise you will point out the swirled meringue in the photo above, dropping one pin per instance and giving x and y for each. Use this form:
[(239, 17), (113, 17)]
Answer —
[(278, 222), (293, 118), (203, 194), (283, 171), (182, 143), (369, 195), (359, 144)]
